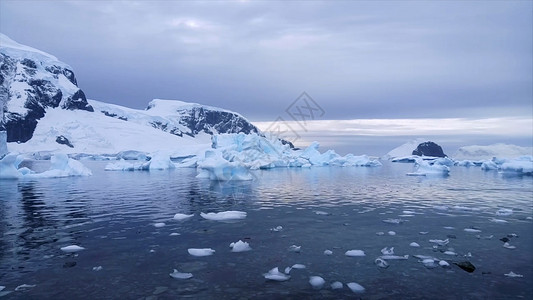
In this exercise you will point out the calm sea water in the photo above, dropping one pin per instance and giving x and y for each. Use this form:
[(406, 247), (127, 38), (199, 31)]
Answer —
[(112, 215)]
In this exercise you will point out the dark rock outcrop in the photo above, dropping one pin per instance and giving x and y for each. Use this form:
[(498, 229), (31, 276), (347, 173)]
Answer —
[(429, 149)]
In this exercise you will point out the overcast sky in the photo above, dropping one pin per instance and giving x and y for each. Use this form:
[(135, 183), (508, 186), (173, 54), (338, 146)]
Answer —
[(356, 59)]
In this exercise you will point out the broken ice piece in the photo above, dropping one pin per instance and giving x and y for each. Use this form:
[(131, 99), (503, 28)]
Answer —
[(178, 275), (24, 287), (381, 263), (449, 227), (356, 287), (444, 263), (393, 221), (72, 248), (316, 282), (440, 242), (386, 251), (429, 263), (508, 246), (295, 248), (321, 213), (181, 217), (513, 274), (174, 234), (394, 257), (240, 246), (328, 252), (355, 253), (298, 266), (276, 275), (472, 230), (498, 221), (159, 225), (99, 268), (225, 215), (423, 232), (391, 232), (201, 252), (414, 244), (336, 285), (450, 253), (380, 233), (276, 229)]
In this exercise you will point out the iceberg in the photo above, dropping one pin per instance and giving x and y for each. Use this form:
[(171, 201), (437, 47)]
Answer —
[(60, 166), (72, 248), (181, 217), (424, 168), (316, 282), (201, 251), (215, 167), (224, 216), (404, 150), (178, 275), (276, 275), (158, 161), (476, 152), (336, 285), (240, 246), (355, 253)]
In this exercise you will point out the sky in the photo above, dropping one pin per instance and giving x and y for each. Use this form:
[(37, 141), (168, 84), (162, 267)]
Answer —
[(423, 62)]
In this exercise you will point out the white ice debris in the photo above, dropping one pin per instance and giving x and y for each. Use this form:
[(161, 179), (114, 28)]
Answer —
[(380, 262), (328, 252), (414, 244), (440, 242), (240, 246), (450, 253), (500, 221), (72, 248), (178, 275), (429, 263), (387, 251), (394, 257), (159, 225), (181, 217), (200, 251), (24, 287), (508, 246), (294, 248), (355, 253), (174, 234), (424, 168), (473, 230), (392, 232), (224, 216), (60, 166), (276, 229), (98, 268), (393, 221), (356, 287), (276, 275), (444, 263), (316, 282), (513, 275), (336, 285)]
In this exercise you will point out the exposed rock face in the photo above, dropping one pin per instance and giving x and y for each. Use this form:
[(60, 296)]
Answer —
[(31, 82), (429, 149)]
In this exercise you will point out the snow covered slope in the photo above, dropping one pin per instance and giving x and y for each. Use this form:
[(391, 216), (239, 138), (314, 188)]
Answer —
[(476, 152), (404, 150), (32, 81)]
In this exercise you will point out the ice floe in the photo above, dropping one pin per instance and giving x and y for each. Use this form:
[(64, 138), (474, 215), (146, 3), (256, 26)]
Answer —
[(275, 275), (225, 215), (513, 275), (316, 282), (276, 229), (392, 232), (440, 242), (328, 252), (200, 251), (508, 246), (174, 234), (294, 248), (500, 221), (444, 263), (72, 248), (355, 287), (474, 230), (181, 217), (159, 225), (414, 244), (393, 221), (179, 275), (355, 253), (394, 257), (240, 246), (336, 285)]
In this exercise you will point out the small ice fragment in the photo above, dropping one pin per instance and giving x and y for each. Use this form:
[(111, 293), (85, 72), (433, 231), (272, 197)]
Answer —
[(529, 218), (224, 216), (336, 285), (99, 268), (174, 234), (276, 275), (159, 225), (504, 212), (450, 253), (201, 252), (295, 248), (321, 213), (152, 251), (498, 221), (386, 251), (414, 244), (429, 263), (513, 274), (472, 230), (24, 287), (178, 275), (512, 235), (180, 217), (449, 227), (423, 232), (391, 232), (409, 212), (356, 287), (396, 257), (381, 263), (469, 254), (316, 282), (276, 229), (240, 246), (328, 252), (508, 246), (72, 248), (288, 270), (444, 263), (440, 242), (380, 233), (393, 221), (355, 253), (298, 266)]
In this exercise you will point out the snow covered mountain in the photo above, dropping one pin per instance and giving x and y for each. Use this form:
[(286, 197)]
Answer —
[(44, 110)]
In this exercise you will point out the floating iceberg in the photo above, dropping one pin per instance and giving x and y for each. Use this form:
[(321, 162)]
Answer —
[(336, 285), (414, 244), (316, 282), (224, 216), (276, 275), (215, 167), (72, 248), (181, 217), (356, 287), (159, 225), (424, 168), (355, 253), (328, 252), (240, 246), (60, 166), (178, 275), (200, 251)]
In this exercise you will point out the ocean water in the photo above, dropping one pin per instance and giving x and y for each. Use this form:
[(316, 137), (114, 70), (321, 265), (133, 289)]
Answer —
[(112, 215)]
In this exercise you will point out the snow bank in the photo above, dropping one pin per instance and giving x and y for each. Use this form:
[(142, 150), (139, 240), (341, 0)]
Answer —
[(424, 168), (61, 166), (476, 152)]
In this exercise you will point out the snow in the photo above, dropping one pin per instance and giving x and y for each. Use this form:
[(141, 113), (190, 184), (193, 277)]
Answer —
[(275, 275), (316, 282), (61, 166), (404, 150), (240, 246), (16, 50), (224, 216), (178, 275), (201, 251), (72, 248), (476, 152), (181, 217), (355, 253), (355, 287)]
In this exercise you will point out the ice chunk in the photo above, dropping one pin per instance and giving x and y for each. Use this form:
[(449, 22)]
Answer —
[(24, 287), (178, 275), (429, 263), (393, 221), (224, 216), (328, 252), (72, 248), (391, 232), (174, 234), (62, 166), (498, 221), (336, 285), (201, 251), (8, 167), (355, 253), (316, 282), (321, 213), (508, 246), (240, 246), (159, 225), (472, 230), (98, 268), (160, 161), (356, 287), (414, 244), (444, 263), (298, 266), (521, 166), (450, 253), (276, 275), (513, 275), (387, 251), (423, 168), (394, 257), (216, 167), (380, 233), (276, 229), (180, 217), (381, 263), (295, 248), (440, 242)]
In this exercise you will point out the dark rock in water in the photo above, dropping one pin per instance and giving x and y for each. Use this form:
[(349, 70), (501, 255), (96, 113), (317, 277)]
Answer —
[(504, 239), (429, 149), (465, 265), (63, 141), (69, 264)]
